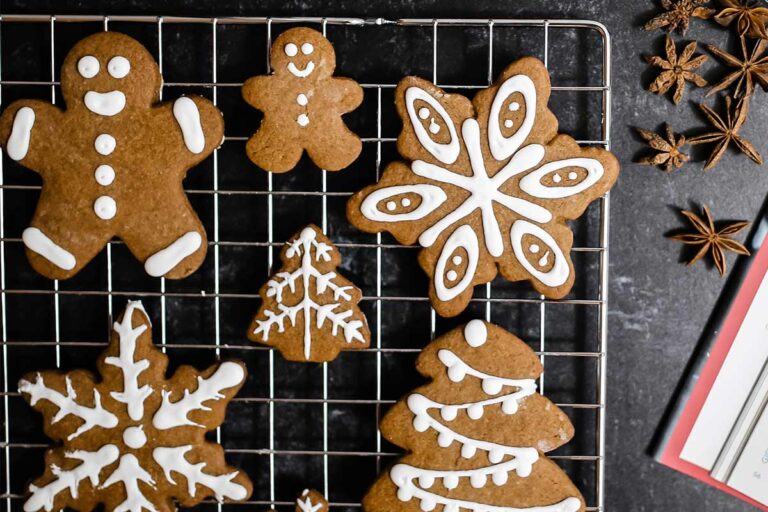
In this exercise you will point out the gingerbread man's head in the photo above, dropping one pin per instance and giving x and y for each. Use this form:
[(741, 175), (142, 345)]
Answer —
[(107, 73), (303, 53)]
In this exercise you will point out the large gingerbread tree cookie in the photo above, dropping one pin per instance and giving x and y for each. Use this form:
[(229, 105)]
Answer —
[(488, 186), (113, 162), (477, 433), (134, 440), (302, 104)]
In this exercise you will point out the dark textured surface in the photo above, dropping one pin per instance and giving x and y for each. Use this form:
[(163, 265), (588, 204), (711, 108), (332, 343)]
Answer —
[(658, 307)]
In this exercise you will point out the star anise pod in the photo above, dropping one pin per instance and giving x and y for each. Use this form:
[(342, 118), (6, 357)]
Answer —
[(713, 241), (669, 155), (676, 69), (750, 19), (750, 68), (726, 131), (678, 14)]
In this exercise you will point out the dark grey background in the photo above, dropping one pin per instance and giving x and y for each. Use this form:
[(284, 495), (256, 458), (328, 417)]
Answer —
[(658, 306)]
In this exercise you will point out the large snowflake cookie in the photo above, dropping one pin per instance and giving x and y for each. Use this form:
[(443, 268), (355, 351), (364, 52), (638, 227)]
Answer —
[(134, 441), (113, 162), (303, 103), (308, 311), (477, 433), (489, 186)]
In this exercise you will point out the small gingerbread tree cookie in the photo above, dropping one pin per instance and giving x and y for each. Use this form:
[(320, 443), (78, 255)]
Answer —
[(303, 103), (112, 163), (477, 433), (134, 440), (308, 311)]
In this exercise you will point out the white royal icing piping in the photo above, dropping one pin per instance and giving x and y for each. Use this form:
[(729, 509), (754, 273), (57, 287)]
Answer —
[(105, 144), (104, 175), (475, 332), (18, 142), (119, 67), (173, 460), (559, 272), (105, 207), (88, 66), (431, 198), (306, 505), (166, 259), (447, 152), (307, 48), (105, 103), (130, 473), (463, 238), (291, 49), (301, 73), (532, 184), (91, 465), (175, 414), (188, 117), (134, 437), (37, 242), (503, 147)]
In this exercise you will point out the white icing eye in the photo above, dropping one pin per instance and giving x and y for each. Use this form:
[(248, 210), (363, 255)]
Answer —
[(307, 48), (514, 106), (119, 67), (423, 113), (88, 66), (291, 50)]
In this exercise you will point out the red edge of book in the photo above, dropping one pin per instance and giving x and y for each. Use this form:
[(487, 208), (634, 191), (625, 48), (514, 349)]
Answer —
[(738, 311)]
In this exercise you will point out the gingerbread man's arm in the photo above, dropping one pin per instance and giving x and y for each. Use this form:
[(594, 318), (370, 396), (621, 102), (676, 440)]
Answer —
[(30, 132), (348, 93), (256, 89)]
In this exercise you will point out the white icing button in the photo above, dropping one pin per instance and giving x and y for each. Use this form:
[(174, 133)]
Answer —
[(105, 144), (303, 120), (452, 275), (105, 207), (119, 66), (572, 175), (88, 66), (514, 106), (291, 50), (302, 99), (134, 437), (457, 260), (535, 248), (307, 48), (508, 123), (423, 112), (406, 202), (104, 175), (476, 334), (556, 178), (391, 205)]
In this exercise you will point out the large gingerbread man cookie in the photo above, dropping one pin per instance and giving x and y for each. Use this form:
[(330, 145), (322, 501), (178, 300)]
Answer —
[(113, 162), (303, 103)]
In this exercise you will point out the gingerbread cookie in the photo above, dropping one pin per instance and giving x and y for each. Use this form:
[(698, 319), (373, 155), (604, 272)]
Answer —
[(476, 434), (311, 501), (488, 188), (134, 440), (112, 163), (308, 311), (302, 104)]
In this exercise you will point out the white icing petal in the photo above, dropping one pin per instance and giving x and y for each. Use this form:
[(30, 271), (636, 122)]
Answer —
[(432, 197), (18, 142), (559, 272), (446, 153), (119, 67), (105, 103), (172, 460), (188, 117), (503, 147), (88, 66), (532, 183), (166, 259), (175, 414), (463, 238), (36, 241)]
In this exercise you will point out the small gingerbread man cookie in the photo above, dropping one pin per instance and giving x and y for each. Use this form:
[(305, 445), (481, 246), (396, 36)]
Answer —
[(112, 163), (303, 103)]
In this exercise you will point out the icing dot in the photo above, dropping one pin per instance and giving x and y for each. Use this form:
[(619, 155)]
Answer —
[(105, 207), (452, 275), (495, 456), (302, 99), (456, 373), (291, 50), (444, 439), (475, 411), (423, 112), (433, 127), (404, 494), (572, 175), (104, 175), (509, 406), (119, 67), (508, 123), (105, 144), (492, 386), (391, 205), (134, 437), (514, 106), (427, 504), (534, 248), (556, 178), (544, 259), (426, 481), (88, 66), (420, 423), (449, 412), (406, 202), (457, 260), (307, 48), (468, 451), (475, 333), (499, 478), (477, 480), (451, 481), (303, 120)]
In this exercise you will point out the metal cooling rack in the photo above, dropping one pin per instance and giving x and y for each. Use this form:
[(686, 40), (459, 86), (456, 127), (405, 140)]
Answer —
[(256, 446)]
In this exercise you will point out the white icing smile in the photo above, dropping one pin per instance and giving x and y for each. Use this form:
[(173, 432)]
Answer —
[(301, 73), (105, 103)]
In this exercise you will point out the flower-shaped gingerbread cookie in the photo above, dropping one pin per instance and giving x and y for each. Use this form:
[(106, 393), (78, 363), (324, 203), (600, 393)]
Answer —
[(489, 186), (113, 162), (303, 103)]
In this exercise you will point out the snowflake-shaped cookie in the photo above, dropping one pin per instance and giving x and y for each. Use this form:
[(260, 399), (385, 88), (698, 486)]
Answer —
[(134, 441), (489, 186)]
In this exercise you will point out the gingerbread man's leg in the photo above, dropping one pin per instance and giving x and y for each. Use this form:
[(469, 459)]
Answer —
[(333, 146), (271, 150)]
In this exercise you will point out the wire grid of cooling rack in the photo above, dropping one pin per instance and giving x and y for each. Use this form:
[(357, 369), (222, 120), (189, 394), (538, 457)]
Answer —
[(214, 296)]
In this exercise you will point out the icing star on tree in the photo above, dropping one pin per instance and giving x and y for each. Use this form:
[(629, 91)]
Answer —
[(135, 440)]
